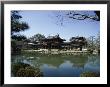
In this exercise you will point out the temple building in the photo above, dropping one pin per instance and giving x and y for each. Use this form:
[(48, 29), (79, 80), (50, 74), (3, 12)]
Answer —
[(52, 42), (55, 42), (78, 42)]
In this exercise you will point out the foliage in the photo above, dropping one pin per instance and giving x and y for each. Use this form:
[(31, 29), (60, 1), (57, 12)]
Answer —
[(28, 72), (37, 37), (18, 37), (25, 70), (13, 43), (78, 39), (82, 16), (17, 25), (15, 67), (90, 50), (89, 74)]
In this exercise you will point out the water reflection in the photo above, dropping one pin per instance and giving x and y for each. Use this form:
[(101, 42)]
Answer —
[(93, 64), (60, 65)]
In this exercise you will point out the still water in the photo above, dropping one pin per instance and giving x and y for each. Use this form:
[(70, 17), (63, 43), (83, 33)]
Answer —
[(60, 65)]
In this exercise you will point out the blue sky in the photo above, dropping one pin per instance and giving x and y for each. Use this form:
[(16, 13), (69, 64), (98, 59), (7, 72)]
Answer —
[(46, 23)]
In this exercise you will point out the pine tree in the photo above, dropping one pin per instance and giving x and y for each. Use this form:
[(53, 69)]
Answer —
[(17, 25)]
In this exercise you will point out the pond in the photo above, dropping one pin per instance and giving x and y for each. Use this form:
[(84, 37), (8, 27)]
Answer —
[(60, 65)]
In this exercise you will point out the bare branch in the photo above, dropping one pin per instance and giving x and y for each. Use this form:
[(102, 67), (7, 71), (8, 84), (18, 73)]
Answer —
[(83, 17)]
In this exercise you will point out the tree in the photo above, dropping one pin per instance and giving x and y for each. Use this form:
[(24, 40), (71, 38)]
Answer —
[(17, 25), (97, 43), (18, 37), (83, 16), (63, 16), (36, 38), (94, 43), (91, 42)]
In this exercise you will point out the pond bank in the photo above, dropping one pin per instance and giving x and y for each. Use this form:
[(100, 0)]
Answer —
[(55, 51)]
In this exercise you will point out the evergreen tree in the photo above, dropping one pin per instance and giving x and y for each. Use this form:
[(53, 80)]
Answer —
[(17, 25)]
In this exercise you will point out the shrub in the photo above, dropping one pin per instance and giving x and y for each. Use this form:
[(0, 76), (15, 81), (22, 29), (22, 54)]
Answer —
[(89, 74), (28, 72), (16, 66), (90, 50), (25, 70)]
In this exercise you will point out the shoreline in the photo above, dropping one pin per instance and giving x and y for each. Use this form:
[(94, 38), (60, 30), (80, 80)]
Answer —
[(69, 52)]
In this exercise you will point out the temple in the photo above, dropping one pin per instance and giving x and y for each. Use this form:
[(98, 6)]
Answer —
[(56, 42), (52, 42)]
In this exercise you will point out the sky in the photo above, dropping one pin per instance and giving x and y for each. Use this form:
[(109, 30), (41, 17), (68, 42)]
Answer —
[(46, 23)]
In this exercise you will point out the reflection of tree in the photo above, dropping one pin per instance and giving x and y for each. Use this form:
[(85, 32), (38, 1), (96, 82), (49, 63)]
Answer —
[(52, 60), (79, 60), (93, 64), (79, 63), (93, 60), (57, 60)]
